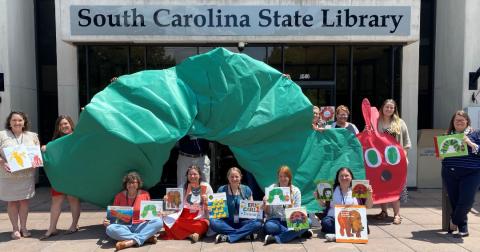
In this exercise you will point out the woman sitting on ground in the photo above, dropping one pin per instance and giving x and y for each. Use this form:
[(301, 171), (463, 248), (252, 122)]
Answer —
[(139, 231), (276, 226), (233, 228), (193, 220), (342, 195)]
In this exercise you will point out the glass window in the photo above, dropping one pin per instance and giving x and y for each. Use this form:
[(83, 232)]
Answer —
[(371, 78), (275, 57), (159, 57), (309, 63), (256, 52), (137, 59), (104, 63), (343, 76)]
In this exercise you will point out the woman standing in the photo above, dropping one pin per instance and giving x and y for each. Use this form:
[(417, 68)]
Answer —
[(63, 126), (341, 114), (193, 220), (18, 187), (139, 231), (342, 195), (276, 226), (233, 228), (389, 122), (461, 175)]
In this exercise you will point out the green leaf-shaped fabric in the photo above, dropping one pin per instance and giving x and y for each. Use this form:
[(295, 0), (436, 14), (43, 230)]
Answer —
[(220, 96)]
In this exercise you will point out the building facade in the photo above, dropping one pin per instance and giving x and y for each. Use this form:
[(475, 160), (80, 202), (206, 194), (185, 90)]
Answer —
[(59, 54)]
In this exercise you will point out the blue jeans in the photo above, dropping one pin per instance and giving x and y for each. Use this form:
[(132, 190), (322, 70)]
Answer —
[(137, 232), (235, 231), (328, 225), (462, 185), (279, 229)]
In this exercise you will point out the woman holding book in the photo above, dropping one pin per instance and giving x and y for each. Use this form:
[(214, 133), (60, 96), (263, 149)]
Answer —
[(234, 228), (192, 222), (461, 175), (389, 122), (139, 231), (276, 226), (342, 195), (63, 126), (16, 188)]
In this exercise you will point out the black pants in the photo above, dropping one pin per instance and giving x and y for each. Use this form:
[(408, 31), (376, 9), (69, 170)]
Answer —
[(462, 185)]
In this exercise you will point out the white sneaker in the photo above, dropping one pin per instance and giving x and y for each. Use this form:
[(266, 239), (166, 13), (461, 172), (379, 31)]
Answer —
[(269, 239), (221, 238), (330, 237)]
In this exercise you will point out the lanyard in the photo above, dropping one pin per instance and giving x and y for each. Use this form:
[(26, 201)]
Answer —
[(236, 203), (133, 203), (343, 197), (16, 139)]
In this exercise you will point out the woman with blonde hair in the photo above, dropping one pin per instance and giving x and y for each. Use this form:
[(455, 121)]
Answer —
[(276, 226), (389, 122), (233, 228)]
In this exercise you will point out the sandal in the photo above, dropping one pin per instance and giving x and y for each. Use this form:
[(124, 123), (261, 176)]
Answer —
[(25, 233), (71, 231), (382, 215), (46, 236), (397, 220), (15, 235), (194, 237)]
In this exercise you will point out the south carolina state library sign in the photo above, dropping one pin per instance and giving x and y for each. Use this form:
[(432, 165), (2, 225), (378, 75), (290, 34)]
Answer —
[(244, 20)]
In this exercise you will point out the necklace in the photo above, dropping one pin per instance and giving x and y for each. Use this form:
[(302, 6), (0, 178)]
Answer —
[(16, 139)]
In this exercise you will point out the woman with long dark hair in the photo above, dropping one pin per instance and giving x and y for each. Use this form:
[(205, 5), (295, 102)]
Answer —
[(63, 126)]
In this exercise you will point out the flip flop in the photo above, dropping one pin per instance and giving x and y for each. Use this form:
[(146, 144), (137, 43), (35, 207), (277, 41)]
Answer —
[(71, 231), (45, 236)]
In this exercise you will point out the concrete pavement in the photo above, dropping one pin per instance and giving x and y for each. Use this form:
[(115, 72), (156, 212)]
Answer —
[(419, 231)]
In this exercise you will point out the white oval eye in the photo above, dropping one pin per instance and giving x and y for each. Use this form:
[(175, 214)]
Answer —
[(392, 155), (372, 157)]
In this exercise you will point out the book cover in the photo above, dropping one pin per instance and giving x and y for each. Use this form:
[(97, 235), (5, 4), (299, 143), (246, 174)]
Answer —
[(360, 188), (217, 205), (351, 224), (250, 209), (174, 199), (324, 189), (120, 214), (297, 218), (327, 114), (450, 146), (17, 158), (278, 195), (151, 209), (35, 155)]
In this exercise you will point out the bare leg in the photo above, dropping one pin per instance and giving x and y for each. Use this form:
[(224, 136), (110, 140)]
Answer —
[(384, 207), (23, 214), (75, 208), (396, 207), (55, 211), (12, 209)]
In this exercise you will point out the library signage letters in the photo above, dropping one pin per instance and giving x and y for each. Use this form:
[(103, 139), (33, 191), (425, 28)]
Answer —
[(240, 20)]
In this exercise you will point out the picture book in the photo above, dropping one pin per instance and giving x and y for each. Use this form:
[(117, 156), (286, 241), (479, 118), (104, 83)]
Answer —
[(151, 209), (278, 195), (217, 205), (351, 224), (450, 146), (327, 114), (324, 190), (35, 155), (17, 158), (120, 214), (174, 199), (250, 209), (297, 218), (360, 188)]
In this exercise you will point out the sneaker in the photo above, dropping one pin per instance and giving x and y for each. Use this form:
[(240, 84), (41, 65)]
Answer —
[(269, 239), (461, 234), (221, 238), (252, 237), (308, 234), (452, 228), (330, 237)]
